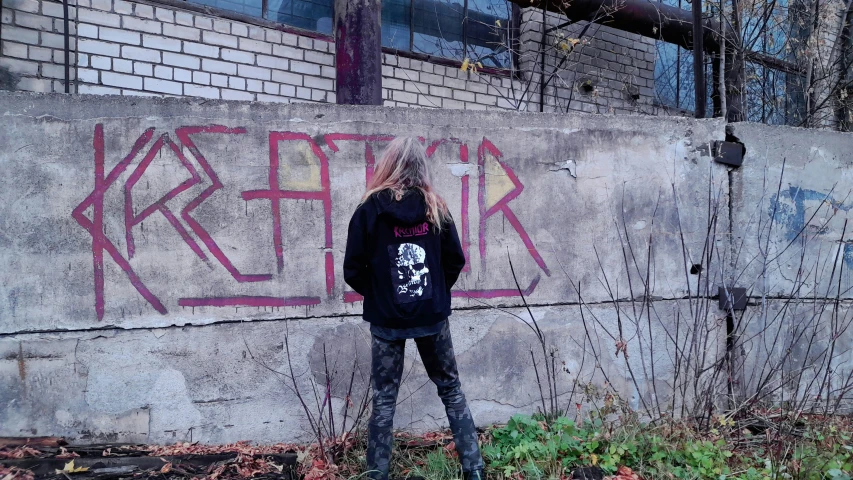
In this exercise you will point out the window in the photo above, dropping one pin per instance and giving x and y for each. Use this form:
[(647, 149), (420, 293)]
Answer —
[(247, 7), (455, 29), (316, 15), (773, 96), (674, 72), (770, 31), (674, 76), (486, 42), (773, 31)]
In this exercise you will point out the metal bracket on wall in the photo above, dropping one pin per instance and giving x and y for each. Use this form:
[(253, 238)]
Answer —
[(735, 300), (728, 153)]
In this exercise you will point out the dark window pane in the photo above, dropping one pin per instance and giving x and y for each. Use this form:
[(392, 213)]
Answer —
[(777, 28), (667, 74), (773, 96), (396, 23), (487, 32), (247, 7), (686, 99), (316, 15), (438, 28)]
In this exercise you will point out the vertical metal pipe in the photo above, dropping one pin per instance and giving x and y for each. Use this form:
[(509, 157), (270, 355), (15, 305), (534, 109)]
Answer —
[(465, 30), (358, 52), (734, 70), (67, 46), (698, 59), (679, 51), (411, 25), (542, 58)]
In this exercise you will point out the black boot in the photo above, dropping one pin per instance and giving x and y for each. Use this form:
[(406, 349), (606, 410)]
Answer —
[(473, 475)]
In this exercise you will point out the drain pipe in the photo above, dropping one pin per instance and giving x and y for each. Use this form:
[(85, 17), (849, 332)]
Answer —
[(698, 60), (542, 57), (67, 46), (1, 27)]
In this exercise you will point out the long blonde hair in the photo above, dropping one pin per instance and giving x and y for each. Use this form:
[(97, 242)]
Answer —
[(403, 167)]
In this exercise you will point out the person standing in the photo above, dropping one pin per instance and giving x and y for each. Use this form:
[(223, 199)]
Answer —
[(403, 256)]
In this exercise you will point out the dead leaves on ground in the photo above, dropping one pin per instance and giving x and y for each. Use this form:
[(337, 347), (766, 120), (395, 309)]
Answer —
[(15, 473), (243, 448), (19, 452)]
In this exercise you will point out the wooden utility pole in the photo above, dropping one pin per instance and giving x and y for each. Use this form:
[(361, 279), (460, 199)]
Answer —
[(358, 52)]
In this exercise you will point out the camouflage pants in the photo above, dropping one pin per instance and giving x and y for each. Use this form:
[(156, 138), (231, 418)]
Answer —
[(437, 354)]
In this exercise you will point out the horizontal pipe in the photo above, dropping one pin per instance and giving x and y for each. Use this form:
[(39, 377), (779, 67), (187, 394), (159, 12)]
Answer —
[(642, 17)]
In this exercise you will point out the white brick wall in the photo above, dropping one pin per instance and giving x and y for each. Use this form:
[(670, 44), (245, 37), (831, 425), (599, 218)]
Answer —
[(145, 48), (616, 64), (33, 44)]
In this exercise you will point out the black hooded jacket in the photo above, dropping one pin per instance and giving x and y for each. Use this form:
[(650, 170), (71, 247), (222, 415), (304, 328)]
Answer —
[(402, 266)]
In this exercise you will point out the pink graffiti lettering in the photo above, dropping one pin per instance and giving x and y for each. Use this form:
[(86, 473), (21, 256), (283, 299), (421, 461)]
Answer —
[(463, 158), (184, 134), (202, 244), (249, 301), (131, 220), (502, 205), (369, 157), (275, 194), (95, 225)]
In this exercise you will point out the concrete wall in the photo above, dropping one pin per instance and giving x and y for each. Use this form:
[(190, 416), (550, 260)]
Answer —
[(142, 48), (792, 251), (157, 253), (143, 295)]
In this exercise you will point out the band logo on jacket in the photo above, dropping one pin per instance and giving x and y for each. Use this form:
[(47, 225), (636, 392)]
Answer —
[(414, 231)]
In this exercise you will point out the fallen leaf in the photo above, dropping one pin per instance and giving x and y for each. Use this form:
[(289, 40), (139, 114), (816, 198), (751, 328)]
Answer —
[(70, 468)]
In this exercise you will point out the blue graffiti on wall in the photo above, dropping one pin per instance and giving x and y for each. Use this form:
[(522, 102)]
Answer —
[(788, 209)]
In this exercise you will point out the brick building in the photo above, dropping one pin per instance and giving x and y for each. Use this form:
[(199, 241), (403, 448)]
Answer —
[(282, 51)]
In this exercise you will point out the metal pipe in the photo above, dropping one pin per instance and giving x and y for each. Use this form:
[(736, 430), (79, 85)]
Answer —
[(465, 29), (67, 46), (542, 58), (649, 19), (658, 21), (698, 60), (412, 25)]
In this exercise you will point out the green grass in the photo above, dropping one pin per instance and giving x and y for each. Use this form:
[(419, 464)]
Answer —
[(529, 448)]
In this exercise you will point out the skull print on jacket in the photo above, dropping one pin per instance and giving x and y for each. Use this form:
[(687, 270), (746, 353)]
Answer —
[(411, 275)]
